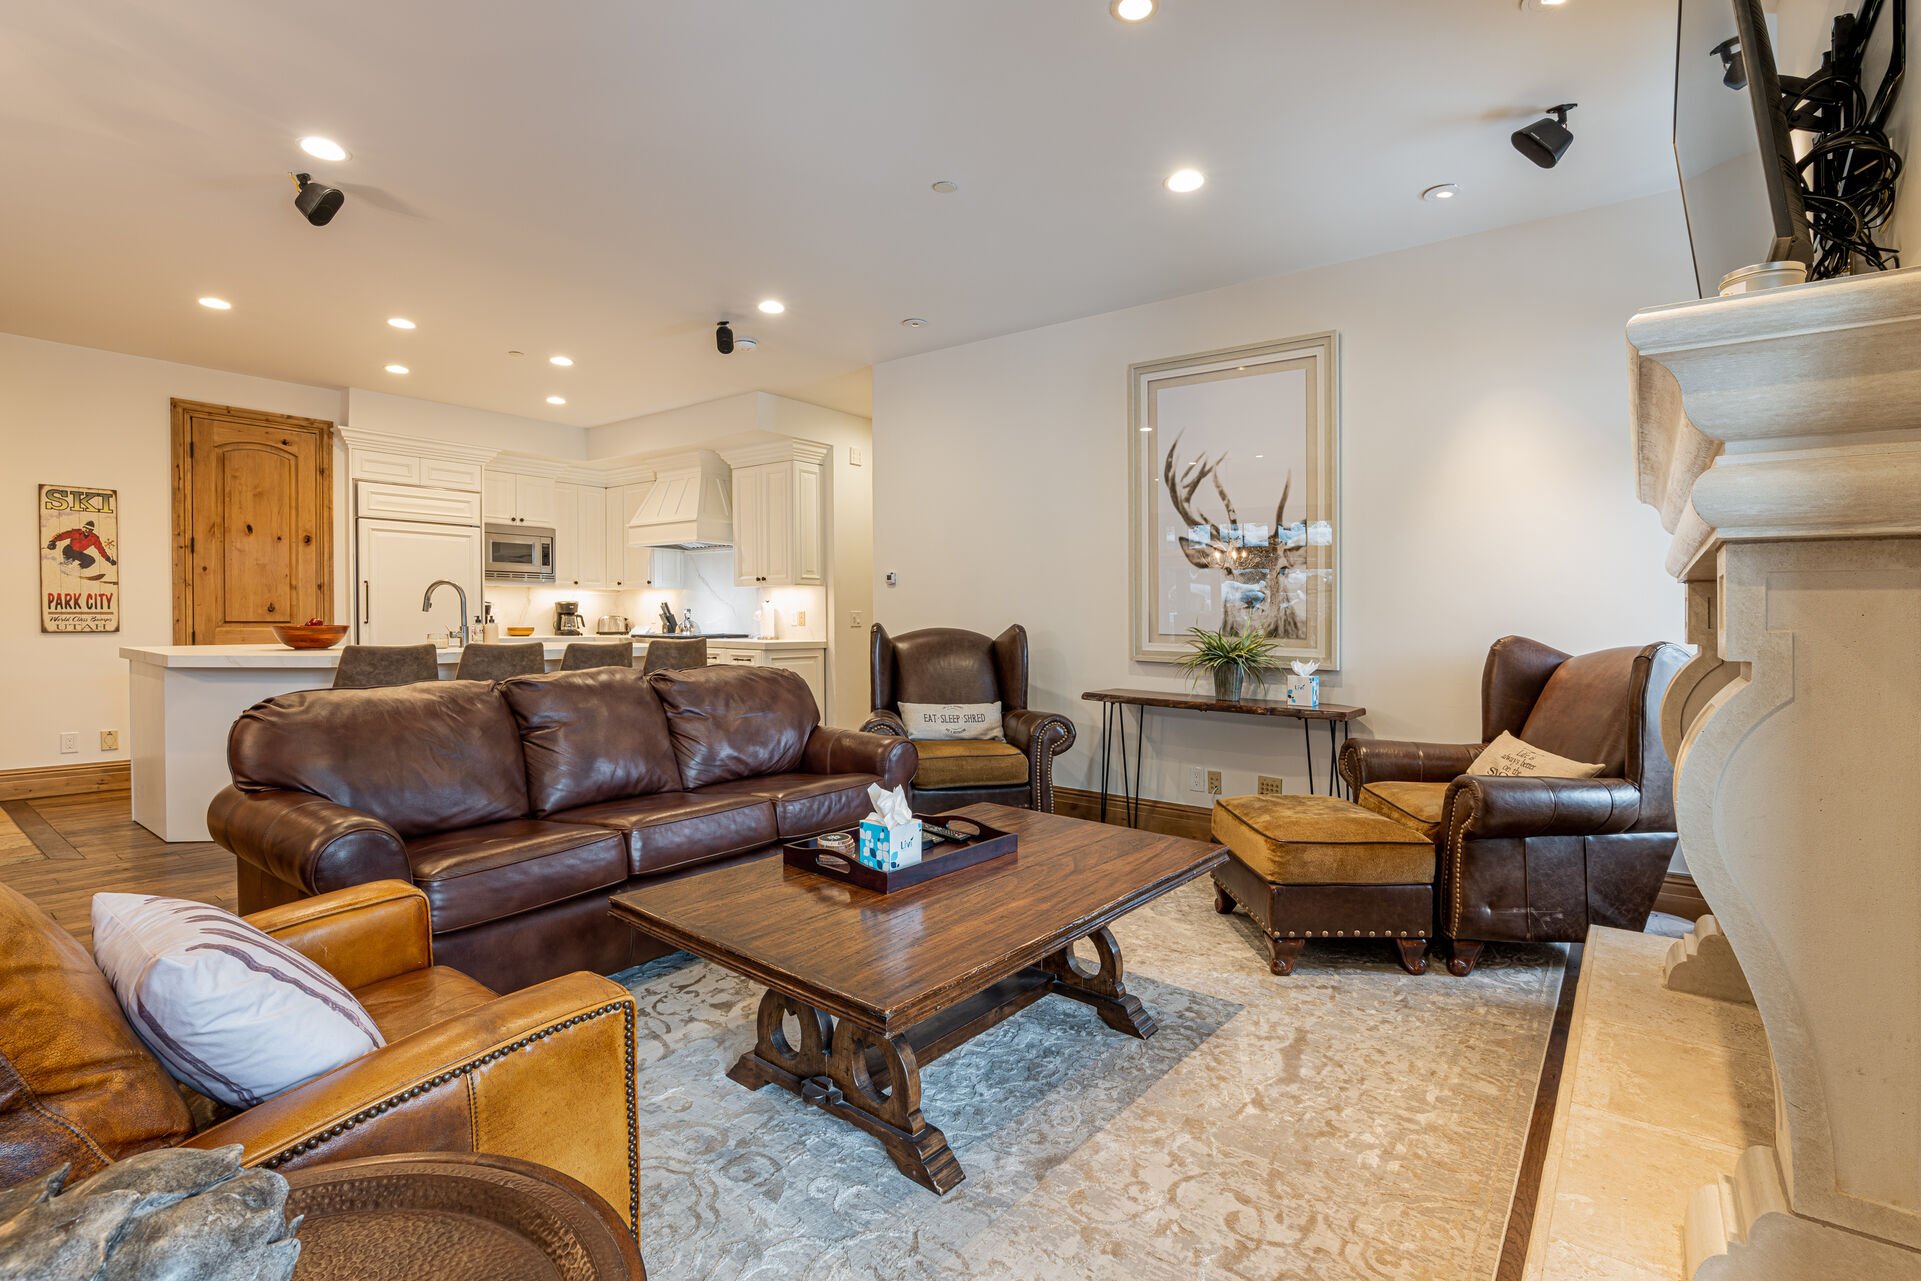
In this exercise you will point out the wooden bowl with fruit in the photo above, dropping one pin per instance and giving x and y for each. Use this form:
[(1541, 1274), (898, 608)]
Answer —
[(315, 633)]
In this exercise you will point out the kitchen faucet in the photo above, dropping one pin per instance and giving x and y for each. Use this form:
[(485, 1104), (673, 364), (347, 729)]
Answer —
[(427, 604)]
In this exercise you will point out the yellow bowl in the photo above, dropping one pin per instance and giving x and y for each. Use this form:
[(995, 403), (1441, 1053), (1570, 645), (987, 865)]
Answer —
[(305, 636), (520, 631)]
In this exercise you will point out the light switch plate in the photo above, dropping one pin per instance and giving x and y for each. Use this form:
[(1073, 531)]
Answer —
[(853, 456)]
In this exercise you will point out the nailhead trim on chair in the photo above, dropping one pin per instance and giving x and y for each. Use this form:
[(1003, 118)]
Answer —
[(412, 1092), (1044, 753), (1457, 843), (1340, 934)]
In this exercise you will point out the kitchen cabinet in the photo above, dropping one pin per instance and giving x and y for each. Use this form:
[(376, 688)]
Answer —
[(510, 498), (779, 511), (396, 561), (403, 468), (580, 537), (632, 567), (375, 500), (809, 660)]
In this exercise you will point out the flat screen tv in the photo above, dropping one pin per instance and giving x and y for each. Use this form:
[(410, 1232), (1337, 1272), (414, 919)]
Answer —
[(1732, 144)]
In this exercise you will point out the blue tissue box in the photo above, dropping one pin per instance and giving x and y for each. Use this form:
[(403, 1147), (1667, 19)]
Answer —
[(889, 847)]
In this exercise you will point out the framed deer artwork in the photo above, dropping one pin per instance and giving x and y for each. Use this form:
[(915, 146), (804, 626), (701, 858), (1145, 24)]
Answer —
[(1236, 490)]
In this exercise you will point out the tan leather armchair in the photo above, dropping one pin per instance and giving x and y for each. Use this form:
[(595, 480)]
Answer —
[(1540, 859), (949, 665), (545, 1074)]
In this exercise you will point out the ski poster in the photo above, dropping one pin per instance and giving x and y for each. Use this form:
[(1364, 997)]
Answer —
[(79, 559)]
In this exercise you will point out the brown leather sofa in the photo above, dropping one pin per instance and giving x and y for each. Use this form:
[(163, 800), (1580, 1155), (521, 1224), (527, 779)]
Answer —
[(518, 807), (1541, 859), (545, 1074), (949, 665)]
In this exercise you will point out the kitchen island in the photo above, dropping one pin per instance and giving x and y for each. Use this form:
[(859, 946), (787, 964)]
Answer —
[(184, 698)]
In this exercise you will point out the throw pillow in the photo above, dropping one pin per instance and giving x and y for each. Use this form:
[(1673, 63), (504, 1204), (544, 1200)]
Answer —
[(938, 721), (1508, 756), (229, 1011)]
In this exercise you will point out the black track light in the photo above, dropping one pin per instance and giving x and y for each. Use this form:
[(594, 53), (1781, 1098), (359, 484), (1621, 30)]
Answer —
[(316, 201), (1547, 140)]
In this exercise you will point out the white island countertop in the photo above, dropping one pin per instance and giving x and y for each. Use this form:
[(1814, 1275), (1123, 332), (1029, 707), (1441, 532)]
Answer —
[(256, 656)]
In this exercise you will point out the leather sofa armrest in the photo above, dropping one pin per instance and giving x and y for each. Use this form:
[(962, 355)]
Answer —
[(360, 935), (545, 1074), (882, 721), (1381, 760), (847, 751), (1498, 805), (307, 840), (1036, 732)]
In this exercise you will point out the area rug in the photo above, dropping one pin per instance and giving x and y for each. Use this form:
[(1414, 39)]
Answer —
[(1351, 1121)]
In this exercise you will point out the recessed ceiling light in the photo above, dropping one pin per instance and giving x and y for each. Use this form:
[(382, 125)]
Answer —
[(1441, 191), (1186, 180), (772, 306), (565, 362), (216, 304), (397, 369), (322, 148), (400, 322), (946, 188), (914, 322), (746, 344), (556, 400), (1132, 10), (516, 353)]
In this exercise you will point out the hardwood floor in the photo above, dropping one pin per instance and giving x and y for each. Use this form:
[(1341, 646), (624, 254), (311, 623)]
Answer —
[(60, 851)]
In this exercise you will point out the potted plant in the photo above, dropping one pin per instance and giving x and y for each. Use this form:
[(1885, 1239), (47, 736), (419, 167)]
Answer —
[(1230, 657)]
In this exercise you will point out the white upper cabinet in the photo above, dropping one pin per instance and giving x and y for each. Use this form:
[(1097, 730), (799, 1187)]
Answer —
[(779, 515), (580, 537), (630, 566), (509, 498)]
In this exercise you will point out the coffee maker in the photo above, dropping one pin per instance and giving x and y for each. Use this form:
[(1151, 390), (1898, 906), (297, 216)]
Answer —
[(568, 620)]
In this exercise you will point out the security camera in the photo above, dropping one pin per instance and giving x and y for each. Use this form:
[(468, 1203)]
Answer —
[(724, 338), (316, 201), (1547, 140)]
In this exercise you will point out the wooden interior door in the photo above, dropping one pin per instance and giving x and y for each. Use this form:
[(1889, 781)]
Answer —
[(252, 523)]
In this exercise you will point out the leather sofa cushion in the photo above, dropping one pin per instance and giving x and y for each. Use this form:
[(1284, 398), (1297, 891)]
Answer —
[(736, 722), (76, 1084), (418, 999), (589, 736), (807, 804), (673, 829), (432, 757), (969, 764), (500, 869), (1321, 840), (1583, 710), (1415, 805)]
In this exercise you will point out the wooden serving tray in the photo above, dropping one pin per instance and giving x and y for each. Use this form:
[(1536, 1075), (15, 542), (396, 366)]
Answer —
[(984, 845)]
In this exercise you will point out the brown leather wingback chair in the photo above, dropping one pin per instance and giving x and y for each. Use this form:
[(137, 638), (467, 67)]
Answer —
[(1541, 859), (949, 665), (463, 1070)]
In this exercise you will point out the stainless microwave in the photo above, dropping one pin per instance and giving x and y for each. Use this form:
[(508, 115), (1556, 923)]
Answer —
[(517, 555)]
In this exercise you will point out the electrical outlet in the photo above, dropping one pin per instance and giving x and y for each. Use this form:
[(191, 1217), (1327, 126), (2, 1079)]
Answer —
[(800, 618), (1213, 782), (1268, 785), (854, 619), (70, 742), (1196, 779), (109, 740)]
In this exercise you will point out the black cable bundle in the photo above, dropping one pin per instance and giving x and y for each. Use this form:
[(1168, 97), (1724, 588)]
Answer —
[(1849, 174)]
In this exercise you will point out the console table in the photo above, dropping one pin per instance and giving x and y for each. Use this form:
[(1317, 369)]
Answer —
[(1115, 702)]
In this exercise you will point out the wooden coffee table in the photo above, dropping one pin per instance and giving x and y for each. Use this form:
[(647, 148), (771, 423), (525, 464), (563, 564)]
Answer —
[(880, 984)]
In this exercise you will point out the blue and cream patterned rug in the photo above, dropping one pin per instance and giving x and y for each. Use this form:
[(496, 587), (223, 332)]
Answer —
[(1352, 1121)]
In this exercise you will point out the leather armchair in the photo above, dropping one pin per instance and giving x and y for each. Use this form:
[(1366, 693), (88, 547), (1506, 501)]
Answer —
[(1541, 859), (545, 1073), (949, 665)]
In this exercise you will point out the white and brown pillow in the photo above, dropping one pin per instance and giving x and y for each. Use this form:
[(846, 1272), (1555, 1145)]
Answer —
[(949, 721), (1508, 757)]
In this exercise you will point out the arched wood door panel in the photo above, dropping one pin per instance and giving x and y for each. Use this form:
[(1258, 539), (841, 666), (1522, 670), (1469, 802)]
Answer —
[(253, 523)]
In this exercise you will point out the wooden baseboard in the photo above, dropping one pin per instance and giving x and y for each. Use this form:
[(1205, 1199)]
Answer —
[(64, 780), (1680, 897), (1165, 817)]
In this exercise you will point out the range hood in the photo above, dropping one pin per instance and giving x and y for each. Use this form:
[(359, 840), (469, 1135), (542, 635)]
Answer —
[(689, 506)]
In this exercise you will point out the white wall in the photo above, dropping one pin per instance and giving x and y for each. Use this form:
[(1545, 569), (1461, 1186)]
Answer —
[(80, 416), (458, 424), (1487, 480)]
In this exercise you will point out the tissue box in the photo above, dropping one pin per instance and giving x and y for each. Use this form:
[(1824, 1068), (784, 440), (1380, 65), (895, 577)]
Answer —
[(1303, 691), (889, 846)]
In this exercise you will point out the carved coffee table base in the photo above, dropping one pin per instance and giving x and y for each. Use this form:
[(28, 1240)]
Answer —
[(873, 1081)]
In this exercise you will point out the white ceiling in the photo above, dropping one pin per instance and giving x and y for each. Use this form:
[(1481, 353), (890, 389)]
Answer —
[(606, 178)]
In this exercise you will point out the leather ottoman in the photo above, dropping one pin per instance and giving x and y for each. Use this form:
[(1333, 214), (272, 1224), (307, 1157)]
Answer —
[(1317, 867)]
